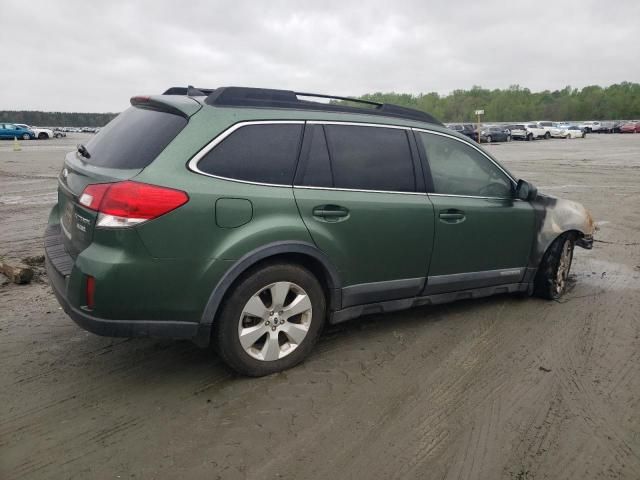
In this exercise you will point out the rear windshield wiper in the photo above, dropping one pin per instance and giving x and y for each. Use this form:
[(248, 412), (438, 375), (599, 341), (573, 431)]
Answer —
[(82, 150)]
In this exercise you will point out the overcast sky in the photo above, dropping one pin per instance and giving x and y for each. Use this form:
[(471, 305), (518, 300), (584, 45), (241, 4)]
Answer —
[(92, 56)]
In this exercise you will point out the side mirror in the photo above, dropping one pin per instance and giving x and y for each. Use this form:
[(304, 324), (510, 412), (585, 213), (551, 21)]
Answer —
[(526, 191)]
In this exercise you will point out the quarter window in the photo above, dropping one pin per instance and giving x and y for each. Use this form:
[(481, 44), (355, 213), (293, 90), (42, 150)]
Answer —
[(257, 153), (459, 169), (370, 158)]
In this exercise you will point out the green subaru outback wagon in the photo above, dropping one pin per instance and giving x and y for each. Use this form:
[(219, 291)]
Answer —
[(248, 218)]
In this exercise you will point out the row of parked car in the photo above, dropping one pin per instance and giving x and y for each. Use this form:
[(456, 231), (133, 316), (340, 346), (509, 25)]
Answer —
[(613, 126), (80, 129), (26, 132), (541, 130)]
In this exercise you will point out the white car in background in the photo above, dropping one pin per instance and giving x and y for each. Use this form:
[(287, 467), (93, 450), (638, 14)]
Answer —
[(591, 126), (554, 129), (527, 131), (574, 131), (40, 133)]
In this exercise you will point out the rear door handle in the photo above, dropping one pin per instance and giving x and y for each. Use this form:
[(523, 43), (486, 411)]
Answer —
[(452, 216), (330, 212)]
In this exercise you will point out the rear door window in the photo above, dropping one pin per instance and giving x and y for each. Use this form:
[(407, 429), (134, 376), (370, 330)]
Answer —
[(134, 138), (370, 158), (264, 153)]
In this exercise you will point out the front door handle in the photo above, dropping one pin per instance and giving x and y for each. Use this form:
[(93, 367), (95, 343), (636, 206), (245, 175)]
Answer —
[(330, 212), (452, 216)]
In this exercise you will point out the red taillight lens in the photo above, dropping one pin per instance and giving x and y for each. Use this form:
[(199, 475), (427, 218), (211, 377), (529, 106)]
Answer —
[(91, 292), (139, 200), (128, 203)]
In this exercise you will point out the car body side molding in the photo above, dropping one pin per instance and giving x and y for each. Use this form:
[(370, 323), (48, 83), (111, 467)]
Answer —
[(435, 299), (464, 281), (380, 291)]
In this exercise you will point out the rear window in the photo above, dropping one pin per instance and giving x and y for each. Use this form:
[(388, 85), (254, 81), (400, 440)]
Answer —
[(256, 153), (134, 138)]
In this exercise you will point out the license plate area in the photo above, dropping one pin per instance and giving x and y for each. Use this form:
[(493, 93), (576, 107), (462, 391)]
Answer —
[(77, 225)]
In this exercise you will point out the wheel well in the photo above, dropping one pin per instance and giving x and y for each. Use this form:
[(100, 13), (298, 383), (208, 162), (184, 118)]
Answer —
[(575, 234), (306, 261), (315, 266)]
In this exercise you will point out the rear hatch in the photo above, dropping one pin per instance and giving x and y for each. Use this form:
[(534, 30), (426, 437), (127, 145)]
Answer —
[(518, 130), (120, 151)]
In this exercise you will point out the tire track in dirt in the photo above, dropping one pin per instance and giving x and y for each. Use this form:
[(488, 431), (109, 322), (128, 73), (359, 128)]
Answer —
[(446, 399)]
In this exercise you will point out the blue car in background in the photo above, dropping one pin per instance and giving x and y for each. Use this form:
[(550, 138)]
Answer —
[(11, 131)]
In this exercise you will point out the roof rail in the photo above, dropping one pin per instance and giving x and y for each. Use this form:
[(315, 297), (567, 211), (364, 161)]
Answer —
[(271, 98)]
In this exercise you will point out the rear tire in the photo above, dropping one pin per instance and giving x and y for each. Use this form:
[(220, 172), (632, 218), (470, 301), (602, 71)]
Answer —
[(547, 136), (530, 137), (551, 279), (280, 341), (489, 139), (43, 136)]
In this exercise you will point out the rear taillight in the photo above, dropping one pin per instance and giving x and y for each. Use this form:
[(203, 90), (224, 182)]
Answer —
[(128, 203)]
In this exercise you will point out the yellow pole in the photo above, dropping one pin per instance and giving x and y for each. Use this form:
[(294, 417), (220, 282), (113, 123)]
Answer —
[(16, 145)]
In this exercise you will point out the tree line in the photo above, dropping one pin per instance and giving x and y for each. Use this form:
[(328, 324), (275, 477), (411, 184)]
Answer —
[(620, 101), (616, 102), (56, 119)]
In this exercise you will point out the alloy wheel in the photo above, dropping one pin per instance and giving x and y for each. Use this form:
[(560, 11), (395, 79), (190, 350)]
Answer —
[(275, 321)]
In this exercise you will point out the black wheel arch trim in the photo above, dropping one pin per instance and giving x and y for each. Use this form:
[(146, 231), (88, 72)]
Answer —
[(252, 258)]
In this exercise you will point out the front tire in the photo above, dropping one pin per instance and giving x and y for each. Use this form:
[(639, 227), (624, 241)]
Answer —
[(551, 279), (530, 137), (43, 136), (26, 136), (271, 319), (489, 139)]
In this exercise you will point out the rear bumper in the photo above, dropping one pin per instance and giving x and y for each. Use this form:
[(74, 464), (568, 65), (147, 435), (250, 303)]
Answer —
[(59, 266)]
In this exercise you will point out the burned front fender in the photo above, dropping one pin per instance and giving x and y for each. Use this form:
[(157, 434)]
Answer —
[(555, 216)]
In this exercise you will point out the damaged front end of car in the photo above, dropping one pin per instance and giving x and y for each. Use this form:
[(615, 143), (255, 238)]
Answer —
[(556, 216)]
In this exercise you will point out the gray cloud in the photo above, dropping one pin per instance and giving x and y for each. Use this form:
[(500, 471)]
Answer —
[(92, 56)]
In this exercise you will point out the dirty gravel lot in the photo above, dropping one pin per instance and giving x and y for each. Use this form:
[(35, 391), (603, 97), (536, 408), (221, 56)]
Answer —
[(498, 388)]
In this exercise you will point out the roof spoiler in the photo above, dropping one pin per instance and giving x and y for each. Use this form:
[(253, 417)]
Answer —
[(151, 103)]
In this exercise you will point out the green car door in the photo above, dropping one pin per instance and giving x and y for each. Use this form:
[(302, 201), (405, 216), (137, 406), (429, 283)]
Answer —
[(483, 234), (359, 195)]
